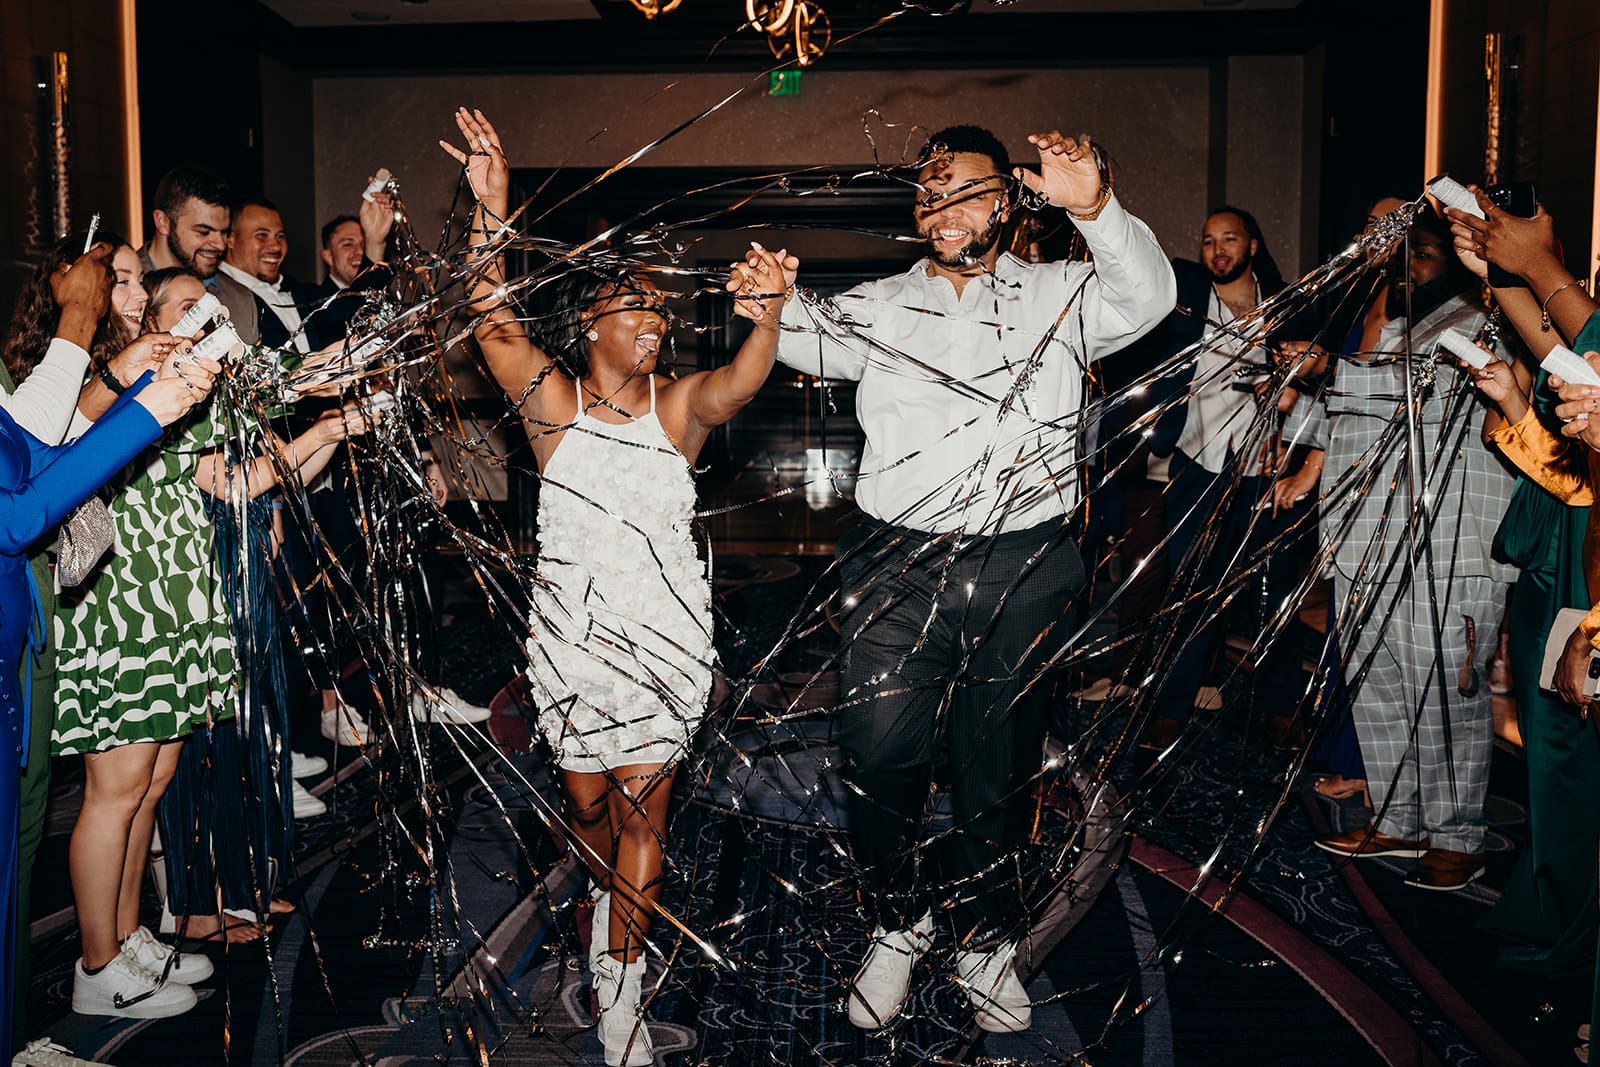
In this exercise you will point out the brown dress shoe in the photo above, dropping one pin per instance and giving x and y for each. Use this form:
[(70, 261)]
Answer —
[(1161, 733), (1445, 871), (1367, 842)]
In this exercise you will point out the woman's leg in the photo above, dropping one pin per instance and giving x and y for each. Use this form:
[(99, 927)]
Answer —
[(589, 820), (638, 803), (139, 833), (114, 790)]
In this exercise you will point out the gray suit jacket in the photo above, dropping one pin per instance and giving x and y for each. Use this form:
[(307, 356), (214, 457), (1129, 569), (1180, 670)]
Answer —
[(241, 305)]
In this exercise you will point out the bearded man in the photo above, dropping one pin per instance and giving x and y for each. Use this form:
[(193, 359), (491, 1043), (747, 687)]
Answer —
[(957, 582), (1211, 442), (189, 226)]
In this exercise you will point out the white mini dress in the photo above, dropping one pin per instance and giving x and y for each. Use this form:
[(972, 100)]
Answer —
[(620, 651)]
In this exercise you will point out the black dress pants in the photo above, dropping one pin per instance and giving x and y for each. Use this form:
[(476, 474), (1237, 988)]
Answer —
[(940, 641)]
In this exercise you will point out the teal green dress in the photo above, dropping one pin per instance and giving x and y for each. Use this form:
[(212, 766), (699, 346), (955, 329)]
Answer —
[(1549, 907)]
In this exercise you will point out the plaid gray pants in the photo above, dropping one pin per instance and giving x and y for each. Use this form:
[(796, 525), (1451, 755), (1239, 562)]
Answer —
[(1426, 779)]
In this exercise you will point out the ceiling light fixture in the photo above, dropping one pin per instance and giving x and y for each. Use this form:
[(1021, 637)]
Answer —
[(797, 31), (651, 8)]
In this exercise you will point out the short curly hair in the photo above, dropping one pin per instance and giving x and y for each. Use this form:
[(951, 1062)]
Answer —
[(973, 139)]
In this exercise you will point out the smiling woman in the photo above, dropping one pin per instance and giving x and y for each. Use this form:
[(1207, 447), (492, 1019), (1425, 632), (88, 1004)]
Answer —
[(620, 644)]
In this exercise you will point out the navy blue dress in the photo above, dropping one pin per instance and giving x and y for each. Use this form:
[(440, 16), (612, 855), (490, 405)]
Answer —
[(39, 485)]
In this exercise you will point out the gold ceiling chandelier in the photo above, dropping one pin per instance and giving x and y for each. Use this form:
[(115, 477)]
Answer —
[(651, 8), (797, 31)]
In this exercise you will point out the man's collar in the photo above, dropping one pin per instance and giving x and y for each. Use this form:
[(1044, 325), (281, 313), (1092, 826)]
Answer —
[(1005, 267), (251, 282)]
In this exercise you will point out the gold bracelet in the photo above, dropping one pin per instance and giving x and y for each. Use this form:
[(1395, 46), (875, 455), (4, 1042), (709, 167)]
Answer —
[(1099, 205), (1544, 308)]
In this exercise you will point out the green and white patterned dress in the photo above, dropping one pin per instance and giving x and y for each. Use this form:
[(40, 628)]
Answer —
[(146, 651)]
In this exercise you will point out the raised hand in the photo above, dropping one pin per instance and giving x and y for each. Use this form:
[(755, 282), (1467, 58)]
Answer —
[(1578, 406), (151, 351), (1467, 250), (85, 284), (1068, 175), (171, 396), (438, 488), (760, 284), (1303, 359), (487, 170), (1496, 381), (377, 219), (1508, 241)]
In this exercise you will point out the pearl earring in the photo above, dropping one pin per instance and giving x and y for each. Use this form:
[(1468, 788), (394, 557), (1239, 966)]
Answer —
[(593, 335)]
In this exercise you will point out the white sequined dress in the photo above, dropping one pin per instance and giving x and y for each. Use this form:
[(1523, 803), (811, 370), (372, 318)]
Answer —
[(620, 653)]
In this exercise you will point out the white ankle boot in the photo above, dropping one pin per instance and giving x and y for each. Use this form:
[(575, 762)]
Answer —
[(880, 987), (623, 1031), (600, 932), (991, 983)]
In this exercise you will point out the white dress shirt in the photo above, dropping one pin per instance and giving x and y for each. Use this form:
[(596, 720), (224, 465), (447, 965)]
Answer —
[(1219, 416), (279, 302), (953, 441)]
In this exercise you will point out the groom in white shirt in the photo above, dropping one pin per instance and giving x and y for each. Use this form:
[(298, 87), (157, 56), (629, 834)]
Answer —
[(958, 580)]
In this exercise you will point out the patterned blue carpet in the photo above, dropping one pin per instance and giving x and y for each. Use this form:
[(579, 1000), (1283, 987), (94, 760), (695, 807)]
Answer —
[(382, 965)]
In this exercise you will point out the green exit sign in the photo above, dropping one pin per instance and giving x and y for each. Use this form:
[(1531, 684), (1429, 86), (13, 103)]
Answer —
[(784, 83)]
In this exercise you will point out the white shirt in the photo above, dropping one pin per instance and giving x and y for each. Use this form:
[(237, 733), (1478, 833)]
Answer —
[(1219, 416), (953, 442), (280, 303), (46, 403)]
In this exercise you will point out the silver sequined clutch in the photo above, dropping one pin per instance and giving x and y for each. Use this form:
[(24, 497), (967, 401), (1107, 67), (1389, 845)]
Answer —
[(86, 535)]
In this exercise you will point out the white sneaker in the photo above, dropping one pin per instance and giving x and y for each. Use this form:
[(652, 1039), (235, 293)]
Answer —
[(153, 955), (125, 989), (879, 990), (306, 806), (345, 726), (622, 1028), (446, 707), (304, 766), (991, 983), (46, 1053)]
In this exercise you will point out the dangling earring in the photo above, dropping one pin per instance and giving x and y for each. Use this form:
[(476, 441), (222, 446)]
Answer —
[(593, 335)]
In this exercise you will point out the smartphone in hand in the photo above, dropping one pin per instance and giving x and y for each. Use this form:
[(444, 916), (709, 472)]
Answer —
[(1516, 198)]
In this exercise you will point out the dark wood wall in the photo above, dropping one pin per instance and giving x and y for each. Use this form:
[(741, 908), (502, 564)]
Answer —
[(1552, 68), (88, 31), (200, 90)]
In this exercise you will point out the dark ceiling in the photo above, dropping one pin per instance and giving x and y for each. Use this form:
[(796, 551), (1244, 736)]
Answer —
[(868, 34)]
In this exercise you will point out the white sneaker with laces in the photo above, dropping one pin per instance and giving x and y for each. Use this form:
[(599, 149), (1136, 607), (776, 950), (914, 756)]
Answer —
[(304, 766), (345, 726), (879, 990), (46, 1053), (125, 989), (446, 707), (990, 982), (306, 806), (153, 954)]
